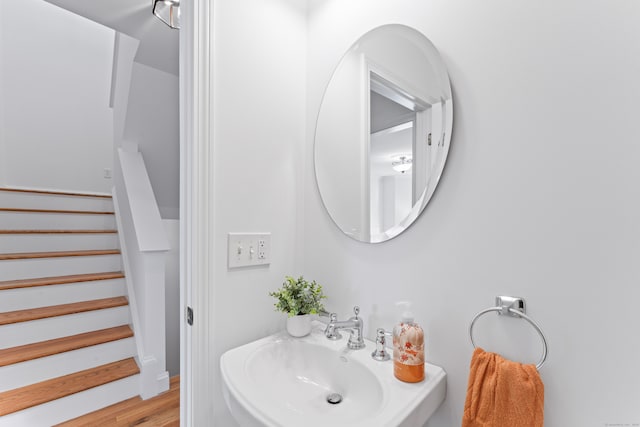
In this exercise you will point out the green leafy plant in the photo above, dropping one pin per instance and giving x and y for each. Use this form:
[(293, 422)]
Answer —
[(298, 297)]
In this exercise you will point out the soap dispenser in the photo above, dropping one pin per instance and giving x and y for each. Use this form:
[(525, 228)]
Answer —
[(408, 347)]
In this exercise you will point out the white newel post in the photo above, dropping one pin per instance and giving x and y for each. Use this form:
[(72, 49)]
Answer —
[(144, 248), (155, 378)]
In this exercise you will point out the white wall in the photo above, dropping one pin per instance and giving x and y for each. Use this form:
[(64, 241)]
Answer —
[(172, 296), (3, 156), (539, 197), (258, 137), (56, 76), (153, 123)]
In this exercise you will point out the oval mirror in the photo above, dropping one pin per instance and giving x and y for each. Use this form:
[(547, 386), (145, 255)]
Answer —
[(383, 133)]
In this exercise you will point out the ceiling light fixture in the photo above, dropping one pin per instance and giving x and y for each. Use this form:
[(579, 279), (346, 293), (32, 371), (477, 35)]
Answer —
[(168, 11), (402, 165)]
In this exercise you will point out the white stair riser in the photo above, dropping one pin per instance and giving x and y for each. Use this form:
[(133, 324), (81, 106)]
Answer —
[(22, 200), (43, 296), (14, 243), (62, 266), (22, 333), (55, 221), (57, 365), (73, 406)]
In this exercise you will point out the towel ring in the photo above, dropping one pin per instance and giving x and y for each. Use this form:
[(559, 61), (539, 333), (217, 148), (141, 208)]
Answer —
[(513, 307)]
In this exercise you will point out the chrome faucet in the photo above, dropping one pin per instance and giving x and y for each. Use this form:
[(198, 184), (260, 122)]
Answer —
[(354, 324)]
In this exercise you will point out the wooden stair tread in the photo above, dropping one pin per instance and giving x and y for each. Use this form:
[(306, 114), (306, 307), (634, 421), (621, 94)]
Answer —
[(57, 211), (56, 388), (59, 280), (57, 193), (57, 254), (58, 231), (131, 411), (60, 310), (37, 350)]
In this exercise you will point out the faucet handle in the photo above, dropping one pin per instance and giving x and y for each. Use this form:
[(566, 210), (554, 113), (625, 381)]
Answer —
[(381, 334), (331, 332), (381, 353), (356, 310)]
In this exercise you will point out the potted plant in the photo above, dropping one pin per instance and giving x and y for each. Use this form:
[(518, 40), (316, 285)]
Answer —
[(299, 298)]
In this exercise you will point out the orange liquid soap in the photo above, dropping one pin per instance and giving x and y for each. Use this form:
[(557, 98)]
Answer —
[(408, 349)]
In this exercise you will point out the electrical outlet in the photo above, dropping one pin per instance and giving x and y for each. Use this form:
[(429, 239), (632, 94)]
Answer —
[(248, 249), (262, 248)]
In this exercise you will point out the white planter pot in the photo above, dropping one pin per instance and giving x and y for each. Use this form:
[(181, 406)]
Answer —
[(299, 326)]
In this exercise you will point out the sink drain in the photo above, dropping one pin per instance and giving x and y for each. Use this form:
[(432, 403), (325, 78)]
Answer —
[(334, 398)]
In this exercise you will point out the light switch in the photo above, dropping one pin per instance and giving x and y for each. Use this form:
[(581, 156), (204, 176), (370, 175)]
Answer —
[(248, 249)]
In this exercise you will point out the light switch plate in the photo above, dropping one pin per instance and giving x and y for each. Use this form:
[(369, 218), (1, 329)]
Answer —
[(248, 249)]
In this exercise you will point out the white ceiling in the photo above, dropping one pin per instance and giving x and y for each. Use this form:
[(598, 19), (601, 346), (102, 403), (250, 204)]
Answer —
[(158, 43)]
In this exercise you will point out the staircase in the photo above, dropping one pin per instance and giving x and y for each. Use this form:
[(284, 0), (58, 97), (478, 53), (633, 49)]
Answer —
[(66, 347)]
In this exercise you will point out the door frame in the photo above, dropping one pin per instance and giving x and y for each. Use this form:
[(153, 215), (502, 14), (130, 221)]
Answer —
[(196, 212)]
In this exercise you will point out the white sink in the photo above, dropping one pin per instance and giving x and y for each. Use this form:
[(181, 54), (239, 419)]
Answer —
[(285, 381)]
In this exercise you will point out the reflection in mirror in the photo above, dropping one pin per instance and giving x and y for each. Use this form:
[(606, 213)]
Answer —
[(391, 151), (383, 133)]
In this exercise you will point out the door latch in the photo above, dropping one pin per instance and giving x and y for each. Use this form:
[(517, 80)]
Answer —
[(190, 316)]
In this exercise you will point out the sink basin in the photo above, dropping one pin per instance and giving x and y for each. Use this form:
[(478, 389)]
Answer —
[(312, 381), (299, 376)]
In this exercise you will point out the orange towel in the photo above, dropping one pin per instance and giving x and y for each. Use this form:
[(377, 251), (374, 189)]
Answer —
[(502, 393)]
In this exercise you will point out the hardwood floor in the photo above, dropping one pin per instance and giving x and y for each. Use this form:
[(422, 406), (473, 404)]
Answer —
[(159, 411)]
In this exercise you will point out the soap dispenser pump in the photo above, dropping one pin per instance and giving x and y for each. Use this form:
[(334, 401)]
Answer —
[(408, 347)]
